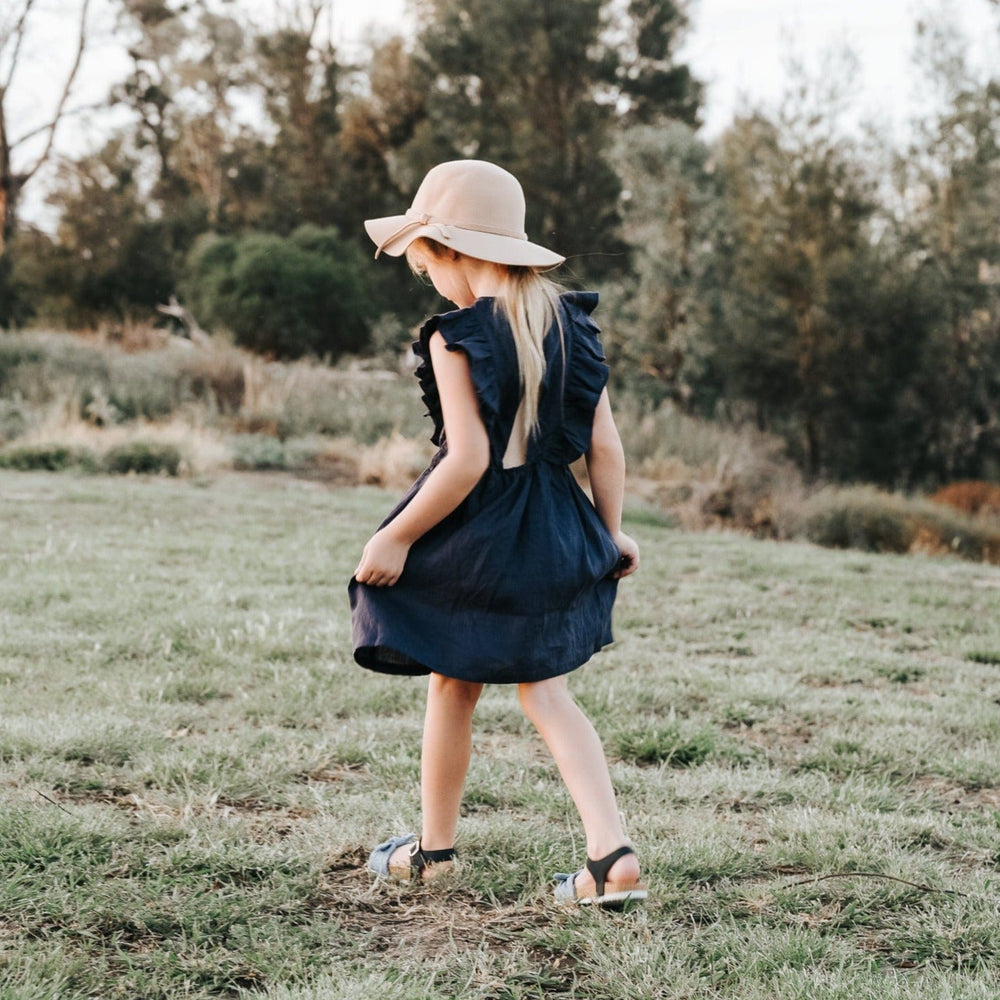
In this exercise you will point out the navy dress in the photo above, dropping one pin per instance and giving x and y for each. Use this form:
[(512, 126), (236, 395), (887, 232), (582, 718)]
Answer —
[(514, 585)]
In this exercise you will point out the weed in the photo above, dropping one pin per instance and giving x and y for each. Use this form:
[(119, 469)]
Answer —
[(664, 745)]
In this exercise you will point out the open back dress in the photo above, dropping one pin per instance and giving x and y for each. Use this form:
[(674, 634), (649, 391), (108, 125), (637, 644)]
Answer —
[(515, 584)]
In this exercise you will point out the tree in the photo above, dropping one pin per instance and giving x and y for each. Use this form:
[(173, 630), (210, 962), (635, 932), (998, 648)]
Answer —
[(13, 34), (949, 197), (111, 257), (538, 88), (648, 75), (799, 205), (189, 73), (304, 294), (670, 217), (15, 27)]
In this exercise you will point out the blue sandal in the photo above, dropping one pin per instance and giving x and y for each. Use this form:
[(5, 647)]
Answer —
[(608, 895), (378, 861)]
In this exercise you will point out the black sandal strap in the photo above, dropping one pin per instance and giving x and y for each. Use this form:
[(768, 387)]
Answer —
[(600, 868), (420, 859)]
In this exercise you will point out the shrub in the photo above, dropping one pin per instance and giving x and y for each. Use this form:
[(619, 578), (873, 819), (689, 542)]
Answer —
[(16, 352), (857, 519), (708, 473), (143, 457), (46, 458), (305, 294), (864, 518), (971, 497), (257, 452)]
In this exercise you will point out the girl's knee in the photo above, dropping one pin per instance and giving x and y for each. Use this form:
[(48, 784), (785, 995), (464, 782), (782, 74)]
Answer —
[(539, 697), (454, 689)]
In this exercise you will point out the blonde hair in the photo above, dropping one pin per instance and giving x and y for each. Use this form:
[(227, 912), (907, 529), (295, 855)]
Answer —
[(529, 302)]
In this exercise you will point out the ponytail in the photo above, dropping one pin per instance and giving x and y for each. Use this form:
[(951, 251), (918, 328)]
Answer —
[(530, 303)]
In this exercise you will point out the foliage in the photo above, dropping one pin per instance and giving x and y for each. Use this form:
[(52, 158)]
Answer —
[(797, 208), (952, 232), (258, 452), (858, 322), (788, 275), (670, 216), (84, 379), (306, 294), (46, 457), (143, 457), (110, 258), (971, 497), (863, 518)]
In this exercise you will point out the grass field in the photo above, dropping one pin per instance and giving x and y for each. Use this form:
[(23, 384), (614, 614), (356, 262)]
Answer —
[(806, 744)]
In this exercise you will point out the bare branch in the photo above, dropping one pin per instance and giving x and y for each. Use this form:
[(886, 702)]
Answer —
[(315, 11), (60, 107), (17, 33), (96, 106)]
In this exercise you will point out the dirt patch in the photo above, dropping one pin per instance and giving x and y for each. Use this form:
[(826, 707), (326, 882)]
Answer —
[(432, 921), (955, 798)]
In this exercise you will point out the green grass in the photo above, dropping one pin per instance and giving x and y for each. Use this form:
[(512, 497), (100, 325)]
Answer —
[(192, 770)]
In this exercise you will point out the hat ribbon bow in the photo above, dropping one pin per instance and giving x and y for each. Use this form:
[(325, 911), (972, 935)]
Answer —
[(414, 220)]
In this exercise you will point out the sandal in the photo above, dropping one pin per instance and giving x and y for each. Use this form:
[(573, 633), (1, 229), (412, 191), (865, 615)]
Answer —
[(378, 861), (609, 895)]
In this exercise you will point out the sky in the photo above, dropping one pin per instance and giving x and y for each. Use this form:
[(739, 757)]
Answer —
[(739, 48)]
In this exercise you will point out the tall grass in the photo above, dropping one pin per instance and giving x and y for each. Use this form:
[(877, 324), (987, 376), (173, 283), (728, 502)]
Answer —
[(43, 375), (152, 403)]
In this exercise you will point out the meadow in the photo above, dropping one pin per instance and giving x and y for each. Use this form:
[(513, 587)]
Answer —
[(192, 770)]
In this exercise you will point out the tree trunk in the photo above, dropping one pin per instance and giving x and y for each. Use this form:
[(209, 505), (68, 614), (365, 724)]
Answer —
[(8, 187)]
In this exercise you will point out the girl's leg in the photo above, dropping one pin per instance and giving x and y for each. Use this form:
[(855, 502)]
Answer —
[(447, 747), (579, 756)]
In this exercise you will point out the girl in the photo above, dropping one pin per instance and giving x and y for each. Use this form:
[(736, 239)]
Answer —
[(495, 567)]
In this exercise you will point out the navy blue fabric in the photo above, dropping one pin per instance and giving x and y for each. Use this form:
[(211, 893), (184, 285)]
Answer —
[(514, 585)]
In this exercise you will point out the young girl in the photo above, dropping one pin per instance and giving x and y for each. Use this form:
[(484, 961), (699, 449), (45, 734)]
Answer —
[(495, 567)]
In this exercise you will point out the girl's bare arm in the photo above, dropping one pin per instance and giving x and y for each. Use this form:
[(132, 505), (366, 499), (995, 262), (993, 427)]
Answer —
[(606, 468), (452, 479)]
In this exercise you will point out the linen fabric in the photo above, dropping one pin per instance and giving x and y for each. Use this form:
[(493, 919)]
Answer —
[(514, 585)]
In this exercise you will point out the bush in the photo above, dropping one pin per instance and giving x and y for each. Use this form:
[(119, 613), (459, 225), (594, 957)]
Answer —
[(864, 518), (258, 452), (46, 458), (143, 457), (305, 294), (858, 519), (971, 497)]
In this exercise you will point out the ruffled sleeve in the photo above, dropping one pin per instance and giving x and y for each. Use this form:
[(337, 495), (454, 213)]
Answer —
[(465, 330), (586, 373)]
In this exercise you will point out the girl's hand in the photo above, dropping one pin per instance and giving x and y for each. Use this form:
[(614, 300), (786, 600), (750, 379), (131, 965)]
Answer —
[(382, 560), (629, 561)]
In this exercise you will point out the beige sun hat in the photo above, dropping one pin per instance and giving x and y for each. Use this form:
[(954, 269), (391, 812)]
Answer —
[(472, 206)]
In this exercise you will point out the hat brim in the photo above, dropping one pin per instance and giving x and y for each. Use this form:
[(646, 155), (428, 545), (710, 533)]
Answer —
[(482, 246)]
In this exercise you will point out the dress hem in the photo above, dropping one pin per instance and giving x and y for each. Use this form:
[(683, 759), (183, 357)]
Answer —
[(365, 657)]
